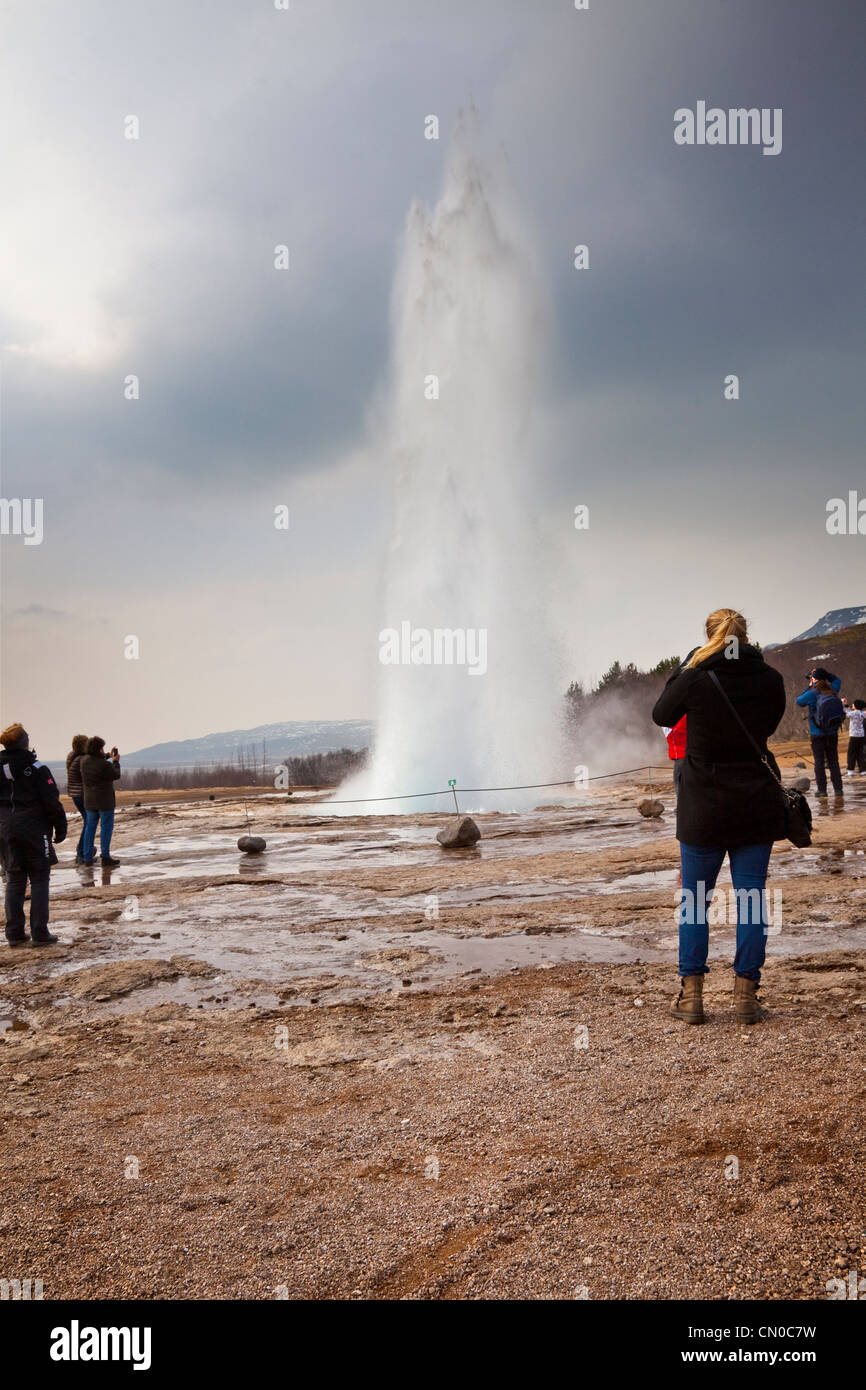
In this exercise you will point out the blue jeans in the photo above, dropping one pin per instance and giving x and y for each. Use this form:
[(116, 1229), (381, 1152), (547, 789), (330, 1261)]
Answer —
[(700, 869), (78, 803), (106, 825)]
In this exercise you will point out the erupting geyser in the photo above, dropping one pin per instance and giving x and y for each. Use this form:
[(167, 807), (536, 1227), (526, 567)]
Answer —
[(469, 682)]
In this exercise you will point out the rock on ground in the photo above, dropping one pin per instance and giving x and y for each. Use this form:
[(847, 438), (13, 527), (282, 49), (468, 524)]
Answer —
[(461, 832)]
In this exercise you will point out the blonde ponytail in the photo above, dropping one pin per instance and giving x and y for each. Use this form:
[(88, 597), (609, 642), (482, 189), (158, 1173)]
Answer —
[(721, 625)]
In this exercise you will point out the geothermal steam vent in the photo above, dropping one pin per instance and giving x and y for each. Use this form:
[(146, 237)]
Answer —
[(468, 681)]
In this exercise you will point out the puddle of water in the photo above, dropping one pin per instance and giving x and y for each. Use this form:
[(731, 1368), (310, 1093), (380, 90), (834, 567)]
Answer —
[(209, 854), (255, 926)]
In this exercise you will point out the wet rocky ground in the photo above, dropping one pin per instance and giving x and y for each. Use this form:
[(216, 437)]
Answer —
[(361, 1066)]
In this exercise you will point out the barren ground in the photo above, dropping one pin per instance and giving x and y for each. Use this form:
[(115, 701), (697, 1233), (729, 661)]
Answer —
[(325, 1092)]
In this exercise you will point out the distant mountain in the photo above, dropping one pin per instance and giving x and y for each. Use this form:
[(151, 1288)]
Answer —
[(843, 652), (834, 621), (289, 740)]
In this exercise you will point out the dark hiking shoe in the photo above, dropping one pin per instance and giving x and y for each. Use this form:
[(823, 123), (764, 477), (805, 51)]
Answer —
[(46, 940), (747, 1005), (17, 940), (109, 862), (689, 1003)]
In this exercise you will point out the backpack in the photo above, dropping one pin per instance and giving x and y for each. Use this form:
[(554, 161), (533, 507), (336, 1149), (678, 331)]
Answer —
[(829, 713)]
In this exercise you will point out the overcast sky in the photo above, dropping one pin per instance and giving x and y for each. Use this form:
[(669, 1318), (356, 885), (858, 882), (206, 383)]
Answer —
[(259, 127)]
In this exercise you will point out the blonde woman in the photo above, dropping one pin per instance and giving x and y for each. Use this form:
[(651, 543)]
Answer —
[(728, 802)]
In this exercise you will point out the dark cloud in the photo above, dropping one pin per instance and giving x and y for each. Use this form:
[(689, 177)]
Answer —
[(703, 261)]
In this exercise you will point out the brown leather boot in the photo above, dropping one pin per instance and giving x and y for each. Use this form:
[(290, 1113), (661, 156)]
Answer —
[(747, 1006), (689, 1003)]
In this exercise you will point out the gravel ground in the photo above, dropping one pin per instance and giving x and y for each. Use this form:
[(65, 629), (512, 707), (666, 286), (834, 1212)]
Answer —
[(544, 1132), (461, 1143)]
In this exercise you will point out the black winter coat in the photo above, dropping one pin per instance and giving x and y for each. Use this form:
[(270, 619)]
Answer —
[(30, 805), (73, 774), (98, 776), (727, 797)]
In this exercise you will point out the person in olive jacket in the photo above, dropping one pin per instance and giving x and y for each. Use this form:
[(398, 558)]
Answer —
[(729, 803), (98, 775)]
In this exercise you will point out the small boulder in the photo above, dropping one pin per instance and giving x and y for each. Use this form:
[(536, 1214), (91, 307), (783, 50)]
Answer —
[(799, 764), (461, 832), (252, 844), (651, 808)]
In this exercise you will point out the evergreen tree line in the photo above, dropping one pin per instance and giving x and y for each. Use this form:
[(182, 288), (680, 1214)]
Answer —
[(625, 680)]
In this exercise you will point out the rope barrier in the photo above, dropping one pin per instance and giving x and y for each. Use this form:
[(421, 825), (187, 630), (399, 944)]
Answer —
[(519, 787), (448, 791)]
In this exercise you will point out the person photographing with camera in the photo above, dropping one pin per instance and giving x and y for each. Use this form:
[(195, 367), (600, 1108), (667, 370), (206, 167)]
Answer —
[(826, 717), (730, 802), (99, 772)]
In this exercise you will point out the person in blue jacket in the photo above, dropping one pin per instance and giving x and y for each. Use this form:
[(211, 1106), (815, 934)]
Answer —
[(824, 724)]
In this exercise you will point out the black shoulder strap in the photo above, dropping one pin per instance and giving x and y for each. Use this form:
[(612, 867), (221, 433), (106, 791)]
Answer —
[(718, 684)]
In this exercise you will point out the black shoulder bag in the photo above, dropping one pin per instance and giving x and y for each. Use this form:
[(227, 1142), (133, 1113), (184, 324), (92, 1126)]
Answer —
[(798, 816)]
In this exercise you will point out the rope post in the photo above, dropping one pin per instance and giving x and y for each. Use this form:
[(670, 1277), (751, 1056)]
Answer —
[(452, 782)]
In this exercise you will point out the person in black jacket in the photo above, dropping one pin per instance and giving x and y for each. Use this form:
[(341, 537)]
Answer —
[(729, 802), (30, 810)]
